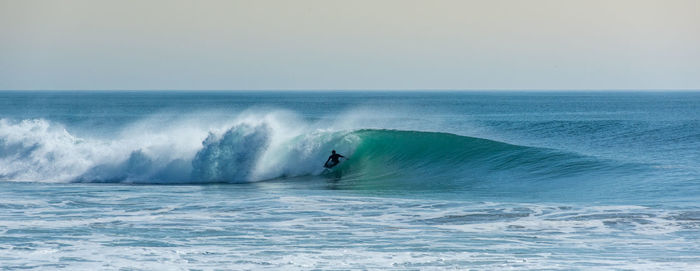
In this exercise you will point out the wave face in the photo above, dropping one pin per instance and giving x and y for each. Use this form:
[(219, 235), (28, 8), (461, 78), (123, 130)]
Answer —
[(431, 160), (272, 146)]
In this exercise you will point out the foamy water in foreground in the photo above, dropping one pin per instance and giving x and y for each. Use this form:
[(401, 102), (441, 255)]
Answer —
[(268, 226)]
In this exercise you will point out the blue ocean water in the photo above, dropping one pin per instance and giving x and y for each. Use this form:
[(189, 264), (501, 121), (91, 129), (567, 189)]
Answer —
[(435, 180)]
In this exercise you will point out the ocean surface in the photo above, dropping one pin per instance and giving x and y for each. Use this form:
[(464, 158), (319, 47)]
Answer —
[(201, 180)]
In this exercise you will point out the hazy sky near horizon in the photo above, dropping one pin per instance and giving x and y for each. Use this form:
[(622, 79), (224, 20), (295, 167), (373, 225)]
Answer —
[(359, 44)]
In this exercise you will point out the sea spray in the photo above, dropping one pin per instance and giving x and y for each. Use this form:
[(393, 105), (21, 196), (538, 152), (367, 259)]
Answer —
[(276, 145), (232, 156)]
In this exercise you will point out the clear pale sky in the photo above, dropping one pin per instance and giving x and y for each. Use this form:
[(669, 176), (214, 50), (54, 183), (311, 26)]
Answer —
[(358, 44)]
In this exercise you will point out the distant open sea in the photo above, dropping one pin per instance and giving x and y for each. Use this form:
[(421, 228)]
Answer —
[(203, 180)]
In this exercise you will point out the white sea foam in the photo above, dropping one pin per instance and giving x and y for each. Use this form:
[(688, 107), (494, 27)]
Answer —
[(249, 147), (153, 229)]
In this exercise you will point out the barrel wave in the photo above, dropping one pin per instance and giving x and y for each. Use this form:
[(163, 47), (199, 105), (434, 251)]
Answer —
[(39, 150)]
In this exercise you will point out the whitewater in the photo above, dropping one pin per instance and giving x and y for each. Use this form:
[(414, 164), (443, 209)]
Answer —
[(435, 180)]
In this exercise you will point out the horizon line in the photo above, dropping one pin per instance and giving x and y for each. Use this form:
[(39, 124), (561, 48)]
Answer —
[(378, 90)]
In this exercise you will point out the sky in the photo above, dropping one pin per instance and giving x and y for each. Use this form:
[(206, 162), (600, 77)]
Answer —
[(358, 44)]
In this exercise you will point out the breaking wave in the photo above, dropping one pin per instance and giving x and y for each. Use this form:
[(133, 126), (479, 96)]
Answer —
[(264, 147)]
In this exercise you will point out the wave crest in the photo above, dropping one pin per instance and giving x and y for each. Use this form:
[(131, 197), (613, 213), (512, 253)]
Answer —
[(264, 147)]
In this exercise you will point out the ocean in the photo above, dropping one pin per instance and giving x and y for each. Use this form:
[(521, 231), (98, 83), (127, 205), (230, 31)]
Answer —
[(435, 180)]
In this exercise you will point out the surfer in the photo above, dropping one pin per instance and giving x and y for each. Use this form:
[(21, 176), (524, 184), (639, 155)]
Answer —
[(334, 160)]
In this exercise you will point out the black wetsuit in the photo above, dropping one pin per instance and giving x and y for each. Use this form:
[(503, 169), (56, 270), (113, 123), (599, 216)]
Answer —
[(333, 160)]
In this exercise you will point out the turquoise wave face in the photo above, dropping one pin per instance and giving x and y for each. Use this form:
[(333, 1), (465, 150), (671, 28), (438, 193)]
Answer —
[(429, 160)]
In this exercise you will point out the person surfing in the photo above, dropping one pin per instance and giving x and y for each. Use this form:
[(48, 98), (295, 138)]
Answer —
[(334, 160)]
